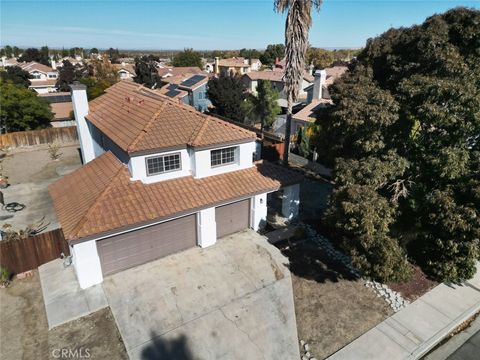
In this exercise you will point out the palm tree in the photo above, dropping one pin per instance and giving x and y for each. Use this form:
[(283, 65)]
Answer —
[(297, 25)]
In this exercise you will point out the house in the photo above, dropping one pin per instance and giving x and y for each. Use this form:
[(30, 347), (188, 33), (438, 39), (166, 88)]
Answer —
[(318, 97), (61, 105), (166, 72), (43, 78), (159, 177), (9, 61), (190, 89), (235, 65), (125, 71), (276, 78)]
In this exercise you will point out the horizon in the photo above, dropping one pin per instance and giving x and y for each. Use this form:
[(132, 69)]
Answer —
[(187, 24)]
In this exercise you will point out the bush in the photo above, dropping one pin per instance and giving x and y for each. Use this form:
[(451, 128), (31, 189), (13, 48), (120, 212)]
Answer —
[(4, 275)]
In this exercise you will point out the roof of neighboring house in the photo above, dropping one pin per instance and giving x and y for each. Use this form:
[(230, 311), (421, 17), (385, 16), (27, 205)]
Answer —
[(179, 70), (127, 67), (273, 75), (32, 66), (187, 82), (100, 197), (233, 62), (61, 111), (308, 113), (172, 91), (11, 62), (43, 83), (333, 73), (139, 119)]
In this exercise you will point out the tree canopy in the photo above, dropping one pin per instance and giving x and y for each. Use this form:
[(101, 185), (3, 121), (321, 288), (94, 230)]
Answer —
[(404, 138), (21, 109), (146, 72), (187, 57), (227, 94), (263, 105), (68, 73), (16, 75), (33, 54), (272, 52)]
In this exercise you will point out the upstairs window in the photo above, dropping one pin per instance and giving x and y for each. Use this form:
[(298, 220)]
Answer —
[(223, 156), (161, 164)]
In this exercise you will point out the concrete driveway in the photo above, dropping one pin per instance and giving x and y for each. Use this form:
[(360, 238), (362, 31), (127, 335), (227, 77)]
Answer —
[(233, 300)]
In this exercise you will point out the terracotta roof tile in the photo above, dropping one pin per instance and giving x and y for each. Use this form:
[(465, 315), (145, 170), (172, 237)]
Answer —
[(139, 119), (100, 197)]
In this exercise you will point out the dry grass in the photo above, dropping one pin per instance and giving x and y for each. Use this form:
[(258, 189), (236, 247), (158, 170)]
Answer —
[(25, 334)]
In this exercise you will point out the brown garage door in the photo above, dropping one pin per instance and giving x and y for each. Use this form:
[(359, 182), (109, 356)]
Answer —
[(232, 218), (138, 247)]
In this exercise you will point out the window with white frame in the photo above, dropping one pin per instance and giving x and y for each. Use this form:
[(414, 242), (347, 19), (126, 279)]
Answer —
[(223, 156), (161, 164)]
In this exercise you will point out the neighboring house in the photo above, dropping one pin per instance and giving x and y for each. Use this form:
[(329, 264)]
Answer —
[(166, 72), (61, 105), (9, 62), (317, 96), (191, 90), (235, 65), (125, 71), (276, 78), (43, 78), (159, 177)]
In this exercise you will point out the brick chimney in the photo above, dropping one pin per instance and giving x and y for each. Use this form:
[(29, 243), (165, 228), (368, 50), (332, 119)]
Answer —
[(319, 83), (80, 109)]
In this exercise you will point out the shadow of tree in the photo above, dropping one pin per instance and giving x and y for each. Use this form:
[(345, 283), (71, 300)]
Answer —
[(309, 261), (171, 349)]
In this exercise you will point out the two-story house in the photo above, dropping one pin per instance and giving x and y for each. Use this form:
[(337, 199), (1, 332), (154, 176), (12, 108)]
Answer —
[(125, 71), (235, 66), (191, 90), (43, 78), (158, 177)]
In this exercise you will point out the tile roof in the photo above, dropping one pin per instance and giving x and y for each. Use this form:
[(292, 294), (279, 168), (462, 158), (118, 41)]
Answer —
[(308, 113), (127, 67), (61, 111), (139, 119), (100, 197), (233, 62), (333, 73), (273, 75), (42, 83), (179, 70), (32, 66)]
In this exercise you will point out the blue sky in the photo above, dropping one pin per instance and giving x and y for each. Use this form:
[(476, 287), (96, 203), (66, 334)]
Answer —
[(225, 24)]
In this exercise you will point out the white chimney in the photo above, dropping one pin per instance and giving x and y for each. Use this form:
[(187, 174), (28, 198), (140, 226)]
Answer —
[(215, 66), (80, 108), (4, 61), (54, 64), (319, 83)]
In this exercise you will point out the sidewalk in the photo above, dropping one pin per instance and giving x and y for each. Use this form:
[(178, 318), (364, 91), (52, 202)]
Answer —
[(414, 330)]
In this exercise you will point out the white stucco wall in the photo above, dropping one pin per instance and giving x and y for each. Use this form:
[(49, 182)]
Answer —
[(87, 263), (80, 108), (203, 166), (207, 227), (258, 211), (138, 167)]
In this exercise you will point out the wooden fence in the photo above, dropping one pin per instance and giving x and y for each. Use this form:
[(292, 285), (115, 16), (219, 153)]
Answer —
[(22, 255), (61, 135)]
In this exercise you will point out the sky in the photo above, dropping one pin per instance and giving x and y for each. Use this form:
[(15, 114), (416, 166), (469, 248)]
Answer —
[(202, 25)]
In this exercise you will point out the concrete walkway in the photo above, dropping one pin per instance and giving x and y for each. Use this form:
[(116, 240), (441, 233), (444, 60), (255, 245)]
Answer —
[(413, 331), (64, 299)]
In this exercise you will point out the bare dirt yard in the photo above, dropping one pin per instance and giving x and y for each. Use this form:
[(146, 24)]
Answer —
[(30, 170), (25, 334)]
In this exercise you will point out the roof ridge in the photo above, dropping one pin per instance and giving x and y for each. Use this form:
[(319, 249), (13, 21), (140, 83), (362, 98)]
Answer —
[(199, 133), (148, 125), (84, 219)]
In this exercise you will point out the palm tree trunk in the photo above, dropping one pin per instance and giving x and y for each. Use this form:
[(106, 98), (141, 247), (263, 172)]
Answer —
[(288, 126)]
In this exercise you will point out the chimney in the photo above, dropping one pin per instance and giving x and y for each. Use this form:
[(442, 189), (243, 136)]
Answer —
[(318, 84), (215, 67), (80, 109), (4, 61), (54, 64)]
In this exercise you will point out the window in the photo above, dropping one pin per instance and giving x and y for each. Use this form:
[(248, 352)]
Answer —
[(52, 76), (36, 75), (161, 164), (223, 156), (201, 95)]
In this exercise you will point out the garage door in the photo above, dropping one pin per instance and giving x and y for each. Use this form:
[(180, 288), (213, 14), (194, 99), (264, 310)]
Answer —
[(232, 218), (138, 247)]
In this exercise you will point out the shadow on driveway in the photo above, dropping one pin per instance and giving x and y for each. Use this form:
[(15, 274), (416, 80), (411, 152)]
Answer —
[(162, 349)]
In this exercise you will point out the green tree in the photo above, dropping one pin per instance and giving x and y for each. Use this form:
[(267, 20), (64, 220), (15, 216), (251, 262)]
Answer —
[(187, 57), (320, 58), (30, 54), (44, 56), (271, 53), (113, 54), (64, 52), (94, 51), (146, 73), (263, 105), (21, 109), (67, 74), (16, 51), (227, 94), (16, 75), (8, 51), (413, 97), (250, 53)]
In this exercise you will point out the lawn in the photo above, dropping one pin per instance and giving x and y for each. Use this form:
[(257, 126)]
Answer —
[(25, 334)]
